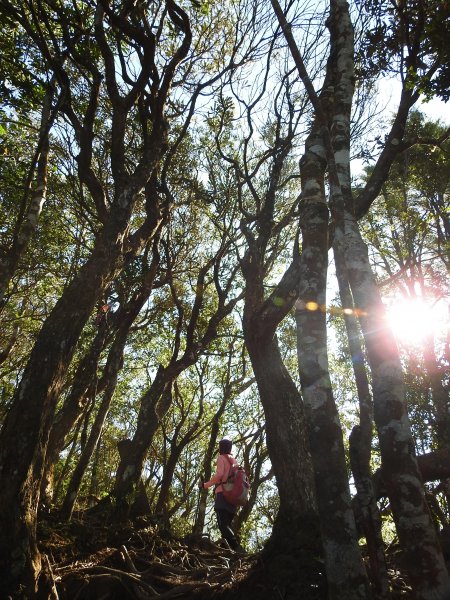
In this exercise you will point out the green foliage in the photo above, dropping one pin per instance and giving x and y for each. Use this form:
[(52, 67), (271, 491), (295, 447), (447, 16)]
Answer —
[(210, 187), (410, 38)]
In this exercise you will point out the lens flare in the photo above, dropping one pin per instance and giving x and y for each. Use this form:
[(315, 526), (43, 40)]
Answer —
[(414, 320)]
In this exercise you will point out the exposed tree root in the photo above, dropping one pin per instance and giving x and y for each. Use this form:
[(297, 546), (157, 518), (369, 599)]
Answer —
[(92, 560)]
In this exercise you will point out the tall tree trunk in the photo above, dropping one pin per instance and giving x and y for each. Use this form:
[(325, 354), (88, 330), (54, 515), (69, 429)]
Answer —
[(361, 441), (86, 375), (153, 407), (113, 366), (6, 351), (439, 395), (27, 224), (94, 483), (346, 575), (162, 504), (420, 545)]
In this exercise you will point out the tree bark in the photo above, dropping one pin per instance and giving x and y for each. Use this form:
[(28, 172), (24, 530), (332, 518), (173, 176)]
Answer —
[(83, 388), (433, 466), (360, 441), (28, 226), (24, 436), (346, 575), (154, 405), (113, 366), (157, 399), (296, 521), (417, 535)]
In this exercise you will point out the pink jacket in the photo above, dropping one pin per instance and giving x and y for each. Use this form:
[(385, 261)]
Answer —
[(223, 467)]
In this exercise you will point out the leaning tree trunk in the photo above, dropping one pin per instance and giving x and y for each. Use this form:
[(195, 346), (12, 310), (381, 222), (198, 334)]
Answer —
[(83, 388), (205, 475), (153, 407), (112, 368), (88, 449), (441, 404), (86, 375), (24, 436), (162, 503), (157, 400), (296, 521)]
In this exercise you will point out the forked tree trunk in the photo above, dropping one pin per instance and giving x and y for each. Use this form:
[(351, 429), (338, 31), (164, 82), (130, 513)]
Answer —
[(153, 407), (83, 388), (24, 436), (113, 366), (83, 462), (157, 400)]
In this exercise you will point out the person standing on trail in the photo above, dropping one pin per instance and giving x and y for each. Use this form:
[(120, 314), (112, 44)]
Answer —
[(224, 510)]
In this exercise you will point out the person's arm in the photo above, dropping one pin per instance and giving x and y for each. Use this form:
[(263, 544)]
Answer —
[(219, 475)]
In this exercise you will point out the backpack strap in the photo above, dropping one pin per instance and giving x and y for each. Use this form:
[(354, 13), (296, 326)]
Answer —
[(231, 466)]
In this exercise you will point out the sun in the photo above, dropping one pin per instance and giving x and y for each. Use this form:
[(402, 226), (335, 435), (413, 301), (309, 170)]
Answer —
[(413, 320)]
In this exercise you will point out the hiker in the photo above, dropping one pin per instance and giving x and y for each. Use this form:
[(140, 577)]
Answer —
[(224, 510)]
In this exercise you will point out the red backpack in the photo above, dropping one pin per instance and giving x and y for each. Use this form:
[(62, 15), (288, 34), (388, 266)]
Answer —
[(236, 488)]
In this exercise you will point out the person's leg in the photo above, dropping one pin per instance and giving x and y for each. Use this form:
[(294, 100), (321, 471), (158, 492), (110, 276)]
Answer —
[(224, 519)]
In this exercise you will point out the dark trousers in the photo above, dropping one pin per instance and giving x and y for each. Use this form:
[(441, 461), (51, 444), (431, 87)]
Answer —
[(224, 518)]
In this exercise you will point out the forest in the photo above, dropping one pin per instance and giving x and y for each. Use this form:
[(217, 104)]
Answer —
[(224, 220)]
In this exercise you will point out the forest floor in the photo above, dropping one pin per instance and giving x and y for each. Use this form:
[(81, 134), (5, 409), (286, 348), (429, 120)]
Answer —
[(93, 560)]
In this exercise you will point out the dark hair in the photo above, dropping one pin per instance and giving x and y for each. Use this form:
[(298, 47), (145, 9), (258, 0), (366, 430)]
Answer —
[(225, 446)]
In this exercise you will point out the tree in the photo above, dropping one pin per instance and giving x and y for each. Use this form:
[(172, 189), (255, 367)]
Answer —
[(333, 151), (36, 396)]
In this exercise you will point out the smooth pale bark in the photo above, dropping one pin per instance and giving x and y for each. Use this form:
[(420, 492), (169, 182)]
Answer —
[(368, 515), (346, 574), (26, 229), (420, 545), (414, 527), (433, 466)]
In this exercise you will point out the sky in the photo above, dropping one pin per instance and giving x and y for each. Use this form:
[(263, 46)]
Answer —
[(390, 89)]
